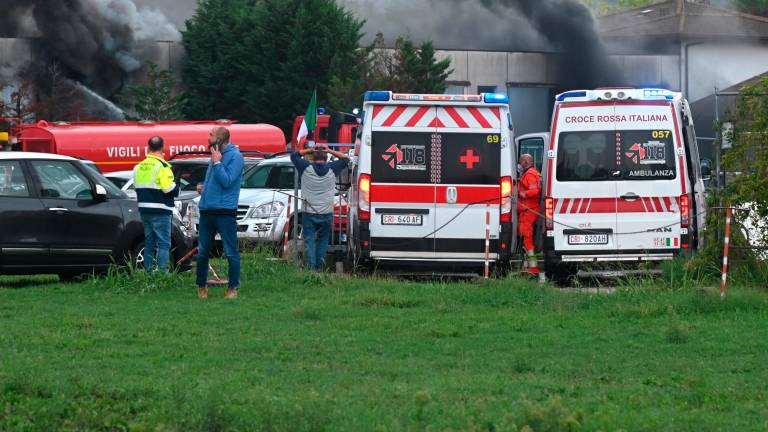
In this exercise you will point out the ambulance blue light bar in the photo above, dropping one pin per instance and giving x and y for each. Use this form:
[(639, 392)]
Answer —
[(616, 94), (377, 96), (652, 93), (571, 94), (495, 98)]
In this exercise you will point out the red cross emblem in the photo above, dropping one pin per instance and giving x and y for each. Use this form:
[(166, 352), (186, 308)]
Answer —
[(470, 159)]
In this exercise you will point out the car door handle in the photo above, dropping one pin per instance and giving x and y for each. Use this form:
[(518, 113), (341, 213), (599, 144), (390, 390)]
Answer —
[(630, 196), (58, 209)]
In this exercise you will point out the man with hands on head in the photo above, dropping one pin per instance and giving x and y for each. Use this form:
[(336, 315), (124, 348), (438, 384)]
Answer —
[(219, 194), (318, 191)]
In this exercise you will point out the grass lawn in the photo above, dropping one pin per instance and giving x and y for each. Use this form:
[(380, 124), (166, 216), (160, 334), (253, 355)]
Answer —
[(301, 352)]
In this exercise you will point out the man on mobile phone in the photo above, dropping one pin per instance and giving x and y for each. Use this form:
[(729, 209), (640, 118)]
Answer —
[(318, 189), (219, 194)]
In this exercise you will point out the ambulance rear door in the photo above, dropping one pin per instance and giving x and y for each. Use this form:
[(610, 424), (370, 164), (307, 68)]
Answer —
[(468, 141), (581, 178), (652, 166), (402, 194)]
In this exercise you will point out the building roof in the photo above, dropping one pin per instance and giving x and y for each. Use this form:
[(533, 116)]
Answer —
[(685, 19)]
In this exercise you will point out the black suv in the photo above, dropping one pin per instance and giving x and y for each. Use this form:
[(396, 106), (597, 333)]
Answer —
[(58, 216)]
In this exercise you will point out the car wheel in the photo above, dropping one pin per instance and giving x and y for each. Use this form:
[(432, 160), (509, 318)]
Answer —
[(137, 257)]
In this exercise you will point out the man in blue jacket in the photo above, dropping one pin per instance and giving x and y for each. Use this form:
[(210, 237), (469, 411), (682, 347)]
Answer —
[(220, 193)]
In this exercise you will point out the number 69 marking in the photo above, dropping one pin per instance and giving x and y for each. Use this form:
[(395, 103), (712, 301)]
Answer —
[(493, 139)]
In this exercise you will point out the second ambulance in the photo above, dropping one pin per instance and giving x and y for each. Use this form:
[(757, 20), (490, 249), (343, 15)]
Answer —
[(622, 179), (433, 180)]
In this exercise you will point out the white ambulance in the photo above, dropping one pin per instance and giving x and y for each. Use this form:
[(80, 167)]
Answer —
[(428, 172), (622, 178)]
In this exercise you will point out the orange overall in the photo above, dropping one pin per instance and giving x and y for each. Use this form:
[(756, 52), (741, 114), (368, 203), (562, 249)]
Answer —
[(528, 209)]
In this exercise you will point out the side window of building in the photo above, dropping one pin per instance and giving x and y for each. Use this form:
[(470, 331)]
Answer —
[(486, 89), (12, 181)]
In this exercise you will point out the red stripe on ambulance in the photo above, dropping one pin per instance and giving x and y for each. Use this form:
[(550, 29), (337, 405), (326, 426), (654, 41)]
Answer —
[(613, 205), (394, 116)]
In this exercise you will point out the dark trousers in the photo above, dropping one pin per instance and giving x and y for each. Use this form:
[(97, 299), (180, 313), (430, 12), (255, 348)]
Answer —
[(226, 226)]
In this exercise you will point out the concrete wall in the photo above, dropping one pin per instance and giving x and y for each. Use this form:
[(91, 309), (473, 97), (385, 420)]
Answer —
[(718, 64)]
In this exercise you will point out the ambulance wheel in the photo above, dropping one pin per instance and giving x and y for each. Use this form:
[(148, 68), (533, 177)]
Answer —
[(559, 272), (357, 263)]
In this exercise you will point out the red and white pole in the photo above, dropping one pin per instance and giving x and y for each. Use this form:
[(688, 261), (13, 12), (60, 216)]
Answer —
[(286, 228), (487, 239), (726, 243)]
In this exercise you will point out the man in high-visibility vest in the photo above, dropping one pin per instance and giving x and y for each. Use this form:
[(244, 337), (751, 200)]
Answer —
[(155, 191), (528, 210)]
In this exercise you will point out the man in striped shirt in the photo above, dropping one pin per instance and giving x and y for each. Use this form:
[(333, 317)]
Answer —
[(155, 191)]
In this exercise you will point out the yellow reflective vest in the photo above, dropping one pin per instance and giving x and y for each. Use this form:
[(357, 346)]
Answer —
[(155, 185)]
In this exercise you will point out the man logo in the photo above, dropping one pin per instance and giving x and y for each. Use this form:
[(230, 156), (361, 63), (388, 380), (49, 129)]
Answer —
[(393, 155)]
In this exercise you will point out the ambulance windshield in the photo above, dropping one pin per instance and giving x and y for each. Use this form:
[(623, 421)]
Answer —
[(616, 155), (436, 158)]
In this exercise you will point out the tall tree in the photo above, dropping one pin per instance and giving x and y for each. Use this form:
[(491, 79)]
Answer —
[(407, 68), (56, 98), (749, 152), (21, 104), (260, 60), (155, 98), (755, 7)]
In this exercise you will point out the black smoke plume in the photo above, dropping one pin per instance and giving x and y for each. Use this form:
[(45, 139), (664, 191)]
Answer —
[(564, 27), (98, 42)]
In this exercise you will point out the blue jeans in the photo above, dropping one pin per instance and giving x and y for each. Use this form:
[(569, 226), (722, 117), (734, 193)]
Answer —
[(226, 226), (157, 241), (317, 232)]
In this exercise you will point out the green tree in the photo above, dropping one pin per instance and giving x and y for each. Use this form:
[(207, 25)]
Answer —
[(155, 98), (755, 7), (406, 69), (749, 153), (258, 61)]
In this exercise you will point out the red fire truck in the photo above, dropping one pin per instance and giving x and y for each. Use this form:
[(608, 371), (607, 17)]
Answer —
[(334, 128), (118, 146)]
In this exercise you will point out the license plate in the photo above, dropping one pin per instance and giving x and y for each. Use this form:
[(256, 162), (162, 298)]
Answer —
[(402, 219), (588, 239)]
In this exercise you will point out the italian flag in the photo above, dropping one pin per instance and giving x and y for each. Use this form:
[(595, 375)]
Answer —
[(310, 119)]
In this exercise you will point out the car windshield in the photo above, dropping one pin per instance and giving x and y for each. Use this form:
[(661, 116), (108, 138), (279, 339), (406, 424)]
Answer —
[(189, 175), (269, 177)]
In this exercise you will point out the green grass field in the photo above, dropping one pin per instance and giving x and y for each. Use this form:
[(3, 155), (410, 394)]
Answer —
[(302, 352)]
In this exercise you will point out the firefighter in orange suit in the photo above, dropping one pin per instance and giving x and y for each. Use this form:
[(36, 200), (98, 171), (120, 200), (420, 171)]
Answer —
[(528, 210)]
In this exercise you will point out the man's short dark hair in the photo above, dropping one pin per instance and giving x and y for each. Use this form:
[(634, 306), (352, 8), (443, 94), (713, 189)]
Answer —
[(319, 155), (155, 143)]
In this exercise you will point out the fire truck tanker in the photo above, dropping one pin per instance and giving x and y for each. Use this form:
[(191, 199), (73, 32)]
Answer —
[(120, 146)]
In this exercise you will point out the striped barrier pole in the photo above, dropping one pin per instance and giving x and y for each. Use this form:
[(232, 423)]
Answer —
[(487, 239), (726, 243), (286, 228)]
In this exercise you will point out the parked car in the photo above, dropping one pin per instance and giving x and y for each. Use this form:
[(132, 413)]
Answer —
[(189, 171), (262, 211), (58, 216)]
